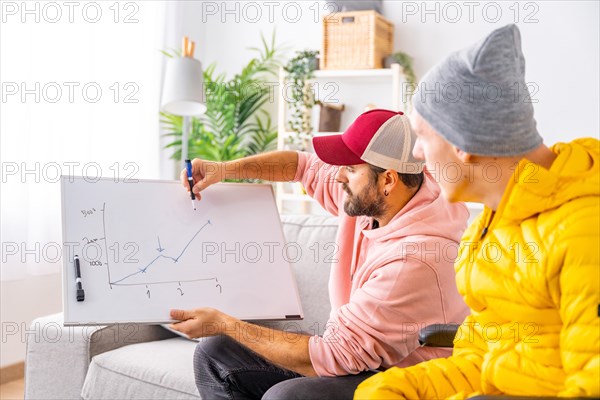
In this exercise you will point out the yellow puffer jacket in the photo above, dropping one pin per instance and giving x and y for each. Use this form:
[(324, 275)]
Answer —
[(532, 284)]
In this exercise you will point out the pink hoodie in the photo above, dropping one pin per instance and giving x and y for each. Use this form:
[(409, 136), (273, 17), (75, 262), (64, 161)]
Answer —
[(386, 283)]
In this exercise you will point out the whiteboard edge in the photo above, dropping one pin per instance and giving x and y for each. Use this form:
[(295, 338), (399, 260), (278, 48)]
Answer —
[(289, 265), (161, 322), (65, 302), (73, 177)]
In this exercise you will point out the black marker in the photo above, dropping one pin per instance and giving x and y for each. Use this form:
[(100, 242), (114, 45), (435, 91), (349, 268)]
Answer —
[(80, 293)]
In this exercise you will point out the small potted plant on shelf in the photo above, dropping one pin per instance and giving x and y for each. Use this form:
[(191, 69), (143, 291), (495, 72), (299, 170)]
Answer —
[(405, 62), (302, 98)]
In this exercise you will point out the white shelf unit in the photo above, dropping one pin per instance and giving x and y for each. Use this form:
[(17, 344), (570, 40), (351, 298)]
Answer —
[(342, 78)]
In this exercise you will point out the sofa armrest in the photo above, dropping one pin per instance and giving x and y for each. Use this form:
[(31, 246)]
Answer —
[(57, 357), (438, 335)]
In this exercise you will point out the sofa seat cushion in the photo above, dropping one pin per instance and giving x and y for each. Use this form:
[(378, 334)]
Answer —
[(313, 248), (161, 369)]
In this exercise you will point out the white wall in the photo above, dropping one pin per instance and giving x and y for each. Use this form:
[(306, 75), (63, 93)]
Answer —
[(232, 29), (21, 301)]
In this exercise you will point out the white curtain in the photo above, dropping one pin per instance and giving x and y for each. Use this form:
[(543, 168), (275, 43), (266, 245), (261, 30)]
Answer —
[(80, 96)]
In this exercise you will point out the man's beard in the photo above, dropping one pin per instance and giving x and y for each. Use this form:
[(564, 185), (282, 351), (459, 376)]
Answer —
[(368, 203)]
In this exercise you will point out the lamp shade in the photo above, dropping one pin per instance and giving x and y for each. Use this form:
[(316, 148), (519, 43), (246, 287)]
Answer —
[(183, 89)]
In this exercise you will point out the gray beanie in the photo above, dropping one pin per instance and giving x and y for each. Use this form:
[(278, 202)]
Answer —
[(478, 100)]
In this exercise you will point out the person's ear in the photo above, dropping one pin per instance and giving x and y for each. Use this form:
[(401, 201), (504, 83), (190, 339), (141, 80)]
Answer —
[(463, 156), (390, 179)]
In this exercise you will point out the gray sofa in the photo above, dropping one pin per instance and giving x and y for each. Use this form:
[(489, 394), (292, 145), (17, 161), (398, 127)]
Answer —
[(148, 361)]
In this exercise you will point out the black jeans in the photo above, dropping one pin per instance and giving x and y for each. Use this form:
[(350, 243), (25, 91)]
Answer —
[(225, 369)]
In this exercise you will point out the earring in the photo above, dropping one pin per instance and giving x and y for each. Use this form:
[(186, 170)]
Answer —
[(385, 192)]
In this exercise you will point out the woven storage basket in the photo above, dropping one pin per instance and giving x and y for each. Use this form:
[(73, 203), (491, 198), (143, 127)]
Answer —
[(356, 40)]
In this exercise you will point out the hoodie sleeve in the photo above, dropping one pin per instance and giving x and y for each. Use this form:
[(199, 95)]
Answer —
[(440, 378), (319, 181), (380, 323)]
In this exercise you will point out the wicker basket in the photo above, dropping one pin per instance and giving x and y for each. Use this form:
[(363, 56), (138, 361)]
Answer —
[(356, 40)]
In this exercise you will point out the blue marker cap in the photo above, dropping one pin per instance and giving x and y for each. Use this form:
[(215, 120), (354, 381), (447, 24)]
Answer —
[(188, 166)]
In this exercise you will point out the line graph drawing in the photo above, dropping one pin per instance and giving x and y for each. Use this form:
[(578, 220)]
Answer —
[(163, 254), (160, 250)]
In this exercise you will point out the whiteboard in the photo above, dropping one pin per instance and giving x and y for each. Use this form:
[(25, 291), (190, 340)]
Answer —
[(143, 250)]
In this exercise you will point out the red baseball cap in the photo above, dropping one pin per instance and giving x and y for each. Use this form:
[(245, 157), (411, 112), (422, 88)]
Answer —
[(379, 137)]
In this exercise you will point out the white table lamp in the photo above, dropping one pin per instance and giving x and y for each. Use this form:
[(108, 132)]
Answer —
[(183, 91)]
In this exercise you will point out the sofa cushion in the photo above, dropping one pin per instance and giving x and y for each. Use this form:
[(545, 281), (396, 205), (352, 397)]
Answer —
[(154, 370), (314, 238)]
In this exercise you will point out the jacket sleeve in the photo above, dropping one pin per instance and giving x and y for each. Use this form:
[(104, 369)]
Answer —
[(319, 181), (579, 311), (434, 379), (380, 324)]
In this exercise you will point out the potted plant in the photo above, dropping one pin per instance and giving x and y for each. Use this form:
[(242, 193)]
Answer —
[(299, 70), (235, 123), (405, 62)]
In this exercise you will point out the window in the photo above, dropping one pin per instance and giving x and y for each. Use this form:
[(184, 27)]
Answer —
[(79, 96)]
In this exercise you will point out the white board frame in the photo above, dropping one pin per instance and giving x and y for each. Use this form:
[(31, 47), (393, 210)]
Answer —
[(68, 278)]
